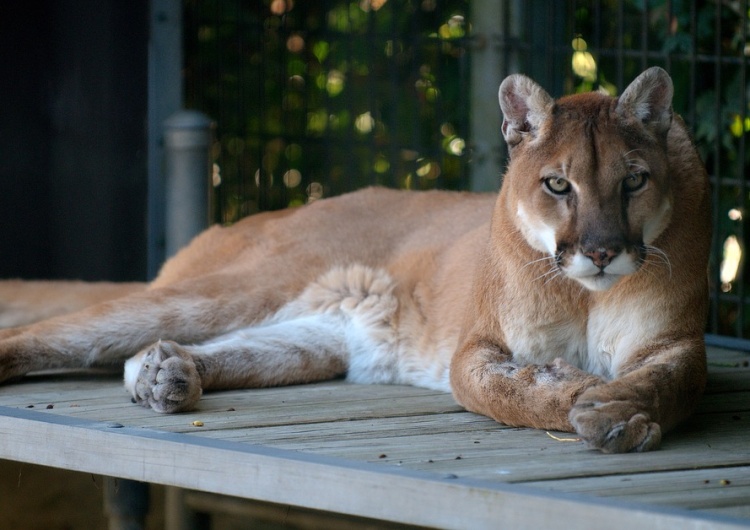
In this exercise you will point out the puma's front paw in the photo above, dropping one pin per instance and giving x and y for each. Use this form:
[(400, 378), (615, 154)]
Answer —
[(613, 426), (163, 377)]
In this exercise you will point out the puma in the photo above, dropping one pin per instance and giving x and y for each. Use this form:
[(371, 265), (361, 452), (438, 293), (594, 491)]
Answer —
[(574, 300)]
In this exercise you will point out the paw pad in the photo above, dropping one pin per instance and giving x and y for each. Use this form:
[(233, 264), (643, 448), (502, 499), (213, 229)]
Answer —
[(168, 380)]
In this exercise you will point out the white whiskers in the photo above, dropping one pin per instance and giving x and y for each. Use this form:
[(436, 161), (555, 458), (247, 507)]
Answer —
[(543, 258), (552, 272), (661, 259)]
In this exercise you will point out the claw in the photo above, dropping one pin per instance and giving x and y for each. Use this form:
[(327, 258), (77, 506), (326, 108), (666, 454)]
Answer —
[(599, 428)]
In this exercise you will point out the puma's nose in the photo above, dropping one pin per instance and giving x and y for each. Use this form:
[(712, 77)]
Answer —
[(602, 256)]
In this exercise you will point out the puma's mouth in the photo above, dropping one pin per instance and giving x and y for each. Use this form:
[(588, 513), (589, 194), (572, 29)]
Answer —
[(600, 278), (600, 281)]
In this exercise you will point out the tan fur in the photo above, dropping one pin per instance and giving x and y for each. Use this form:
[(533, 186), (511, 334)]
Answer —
[(24, 302), (576, 311)]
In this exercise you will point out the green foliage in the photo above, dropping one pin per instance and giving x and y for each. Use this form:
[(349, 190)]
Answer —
[(316, 98)]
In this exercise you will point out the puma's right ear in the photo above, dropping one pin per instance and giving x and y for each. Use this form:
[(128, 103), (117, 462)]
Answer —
[(525, 106), (648, 99)]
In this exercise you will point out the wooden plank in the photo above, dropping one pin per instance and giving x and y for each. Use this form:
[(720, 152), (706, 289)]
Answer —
[(713, 403), (358, 431), (102, 390), (330, 401), (486, 450), (512, 455), (333, 401), (722, 380), (520, 452), (258, 512), (723, 355), (693, 489), (313, 481), (732, 511), (394, 430)]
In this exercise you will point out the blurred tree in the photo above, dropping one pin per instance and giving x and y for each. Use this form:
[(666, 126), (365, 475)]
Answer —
[(318, 98)]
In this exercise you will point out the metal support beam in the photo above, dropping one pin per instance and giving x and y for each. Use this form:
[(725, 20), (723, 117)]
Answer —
[(187, 143), (164, 99), (126, 503), (494, 23)]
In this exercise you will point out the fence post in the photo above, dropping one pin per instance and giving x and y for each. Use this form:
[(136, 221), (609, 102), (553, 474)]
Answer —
[(488, 66), (187, 144), (165, 87)]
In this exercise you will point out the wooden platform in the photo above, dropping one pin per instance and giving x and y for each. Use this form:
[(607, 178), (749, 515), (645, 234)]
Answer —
[(397, 454)]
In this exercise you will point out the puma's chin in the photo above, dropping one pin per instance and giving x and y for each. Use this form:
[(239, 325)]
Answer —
[(599, 282)]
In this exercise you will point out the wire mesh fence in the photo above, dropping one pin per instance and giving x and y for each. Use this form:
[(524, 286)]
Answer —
[(704, 47), (313, 99), (317, 98)]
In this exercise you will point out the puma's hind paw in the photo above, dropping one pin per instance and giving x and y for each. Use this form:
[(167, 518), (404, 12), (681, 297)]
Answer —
[(163, 377), (614, 426)]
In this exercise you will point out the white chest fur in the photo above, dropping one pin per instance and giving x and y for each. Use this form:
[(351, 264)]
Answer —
[(616, 331), (541, 343), (597, 342)]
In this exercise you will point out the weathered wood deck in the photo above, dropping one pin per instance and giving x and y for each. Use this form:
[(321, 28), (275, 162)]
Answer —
[(393, 453)]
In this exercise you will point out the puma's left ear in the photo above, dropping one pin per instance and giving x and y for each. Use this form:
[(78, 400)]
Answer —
[(525, 106), (649, 100)]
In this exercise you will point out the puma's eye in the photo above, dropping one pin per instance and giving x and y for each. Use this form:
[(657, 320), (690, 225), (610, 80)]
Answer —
[(557, 185), (635, 181)]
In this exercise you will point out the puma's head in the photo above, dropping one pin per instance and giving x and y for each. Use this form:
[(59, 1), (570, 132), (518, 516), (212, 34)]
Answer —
[(588, 179)]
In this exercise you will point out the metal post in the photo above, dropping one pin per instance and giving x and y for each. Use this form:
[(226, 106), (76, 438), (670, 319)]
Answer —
[(126, 503), (187, 144), (178, 515), (165, 87), (487, 70)]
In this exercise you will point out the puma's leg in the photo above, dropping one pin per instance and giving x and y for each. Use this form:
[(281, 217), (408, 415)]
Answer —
[(651, 396), (344, 319), (170, 378), (487, 381), (110, 332)]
